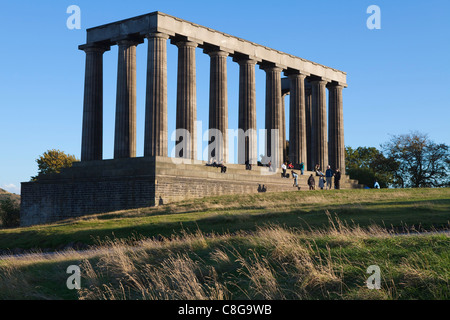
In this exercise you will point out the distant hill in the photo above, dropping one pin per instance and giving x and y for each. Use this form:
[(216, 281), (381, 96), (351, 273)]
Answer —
[(5, 194)]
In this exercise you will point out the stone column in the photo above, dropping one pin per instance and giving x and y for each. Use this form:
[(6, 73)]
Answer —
[(283, 126), (319, 111), (336, 147), (297, 120), (218, 105), (186, 98), (247, 112), (156, 135), (273, 114), (92, 136), (125, 132), (309, 126)]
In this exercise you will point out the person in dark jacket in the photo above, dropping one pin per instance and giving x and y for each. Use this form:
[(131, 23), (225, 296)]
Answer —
[(311, 182), (337, 179), (329, 176)]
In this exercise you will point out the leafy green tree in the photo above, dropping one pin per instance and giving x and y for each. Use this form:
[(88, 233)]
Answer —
[(52, 161), (421, 162), (368, 164)]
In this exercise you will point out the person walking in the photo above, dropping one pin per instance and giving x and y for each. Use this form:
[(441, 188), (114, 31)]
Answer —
[(311, 182), (337, 179), (329, 176)]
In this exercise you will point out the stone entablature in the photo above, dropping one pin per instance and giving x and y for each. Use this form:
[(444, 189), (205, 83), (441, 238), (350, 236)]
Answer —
[(154, 22)]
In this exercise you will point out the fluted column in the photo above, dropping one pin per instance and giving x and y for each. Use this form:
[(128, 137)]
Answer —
[(297, 120), (92, 136), (309, 127), (247, 112), (218, 105), (283, 127), (319, 112), (125, 132), (156, 135), (186, 98), (273, 115), (336, 128)]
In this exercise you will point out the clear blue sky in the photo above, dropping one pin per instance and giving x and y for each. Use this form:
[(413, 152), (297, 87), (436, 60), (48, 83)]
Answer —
[(397, 76)]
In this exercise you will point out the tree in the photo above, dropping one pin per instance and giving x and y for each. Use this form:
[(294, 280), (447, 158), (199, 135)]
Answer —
[(368, 164), (52, 161), (421, 162)]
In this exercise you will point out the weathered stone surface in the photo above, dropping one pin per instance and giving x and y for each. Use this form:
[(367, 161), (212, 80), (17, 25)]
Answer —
[(125, 131), (92, 136), (96, 185), (156, 136), (93, 187)]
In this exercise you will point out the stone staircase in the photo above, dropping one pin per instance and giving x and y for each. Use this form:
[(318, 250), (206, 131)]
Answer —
[(197, 180)]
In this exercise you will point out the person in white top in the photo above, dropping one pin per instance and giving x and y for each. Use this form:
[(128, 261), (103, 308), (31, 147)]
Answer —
[(283, 167)]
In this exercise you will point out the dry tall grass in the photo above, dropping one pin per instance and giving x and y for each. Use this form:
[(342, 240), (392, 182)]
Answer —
[(272, 263)]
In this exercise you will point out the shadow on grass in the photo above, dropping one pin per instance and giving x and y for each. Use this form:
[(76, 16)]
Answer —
[(399, 216)]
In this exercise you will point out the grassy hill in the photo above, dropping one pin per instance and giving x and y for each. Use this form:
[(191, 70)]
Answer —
[(295, 245), (5, 194)]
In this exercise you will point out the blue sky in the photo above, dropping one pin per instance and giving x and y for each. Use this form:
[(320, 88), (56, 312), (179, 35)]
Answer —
[(397, 75)]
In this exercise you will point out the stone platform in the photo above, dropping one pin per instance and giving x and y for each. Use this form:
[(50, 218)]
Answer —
[(110, 185)]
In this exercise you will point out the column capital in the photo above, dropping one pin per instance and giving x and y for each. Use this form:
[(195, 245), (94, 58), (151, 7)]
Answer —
[(184, 43), (245, 59), (302, 76), (158, 35), (270, 67), (295, 73), (126, 42), (92, 47), (319, 81), (216, 53), (337, 85)]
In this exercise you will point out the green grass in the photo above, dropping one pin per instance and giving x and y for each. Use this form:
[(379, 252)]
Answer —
[(297, 245), (399, 209)]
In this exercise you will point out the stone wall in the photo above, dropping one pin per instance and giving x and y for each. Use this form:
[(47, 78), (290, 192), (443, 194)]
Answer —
[(94, 187)]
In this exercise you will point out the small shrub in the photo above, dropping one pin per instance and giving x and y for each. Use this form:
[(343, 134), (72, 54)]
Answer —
[(9, 213)]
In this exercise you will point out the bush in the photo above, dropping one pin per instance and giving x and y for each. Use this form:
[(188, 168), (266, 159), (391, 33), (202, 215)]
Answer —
[(9, 213)]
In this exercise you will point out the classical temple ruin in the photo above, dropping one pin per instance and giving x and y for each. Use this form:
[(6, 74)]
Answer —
[(97, 185)]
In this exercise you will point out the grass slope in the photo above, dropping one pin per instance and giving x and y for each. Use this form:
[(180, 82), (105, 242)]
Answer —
[(306, 245), (410, 208)]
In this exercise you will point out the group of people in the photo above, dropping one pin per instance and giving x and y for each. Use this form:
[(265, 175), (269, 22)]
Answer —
[(220, 164), (325, 179)]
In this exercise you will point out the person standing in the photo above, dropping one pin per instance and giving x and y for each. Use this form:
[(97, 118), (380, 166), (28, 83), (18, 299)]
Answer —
[(329, 176), (337, 179), (321, 183), (311, 182), (302, 167), (295, 176), (283, 167)]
